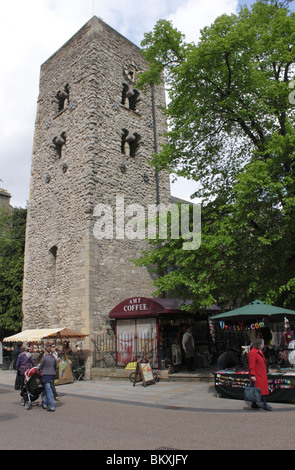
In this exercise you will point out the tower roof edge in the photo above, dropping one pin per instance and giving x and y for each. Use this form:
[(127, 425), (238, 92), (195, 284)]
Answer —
[(94, 25)]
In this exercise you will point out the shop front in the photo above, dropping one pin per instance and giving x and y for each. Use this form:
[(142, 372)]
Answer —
[(139, 332), (152, 329), (276, 326)]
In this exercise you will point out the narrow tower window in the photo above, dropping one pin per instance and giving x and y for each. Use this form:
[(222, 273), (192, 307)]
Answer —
[(53, 252), (59, 141), (52, 264), (63, 96)]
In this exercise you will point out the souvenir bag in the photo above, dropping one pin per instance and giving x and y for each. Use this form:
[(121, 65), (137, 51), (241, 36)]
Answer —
[(252, 393)]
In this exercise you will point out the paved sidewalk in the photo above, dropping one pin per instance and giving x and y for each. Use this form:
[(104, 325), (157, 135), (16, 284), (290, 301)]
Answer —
[(193, 396)]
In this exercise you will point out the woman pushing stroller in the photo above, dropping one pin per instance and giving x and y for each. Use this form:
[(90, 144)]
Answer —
[(48, 369)]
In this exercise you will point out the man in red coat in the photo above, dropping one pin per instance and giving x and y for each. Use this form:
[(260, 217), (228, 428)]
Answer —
[(258, 372)]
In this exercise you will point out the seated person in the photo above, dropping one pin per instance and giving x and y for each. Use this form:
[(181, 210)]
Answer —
[(229, 359)]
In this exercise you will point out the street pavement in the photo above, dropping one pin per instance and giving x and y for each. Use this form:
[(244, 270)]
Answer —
[(186, 395), (114, 414)]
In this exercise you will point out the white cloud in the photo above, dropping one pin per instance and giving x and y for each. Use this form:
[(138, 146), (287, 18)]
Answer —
[(32, 30), (190, 18), (193, 15)]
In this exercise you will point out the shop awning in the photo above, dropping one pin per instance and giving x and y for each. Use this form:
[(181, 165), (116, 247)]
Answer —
[(255, 309), (147, 307), (37, 335)]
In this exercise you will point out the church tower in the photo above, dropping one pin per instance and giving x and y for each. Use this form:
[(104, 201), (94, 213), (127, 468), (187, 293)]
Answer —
[(94, 134)]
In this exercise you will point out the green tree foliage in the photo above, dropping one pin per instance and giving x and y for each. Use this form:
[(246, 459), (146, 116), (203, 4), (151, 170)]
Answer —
[(12, 242), (231, 129)]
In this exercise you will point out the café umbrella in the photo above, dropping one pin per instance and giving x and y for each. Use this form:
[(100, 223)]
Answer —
[(255, 309)]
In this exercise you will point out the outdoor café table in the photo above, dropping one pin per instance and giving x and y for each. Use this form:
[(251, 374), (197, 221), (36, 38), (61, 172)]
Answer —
[(231, 383)]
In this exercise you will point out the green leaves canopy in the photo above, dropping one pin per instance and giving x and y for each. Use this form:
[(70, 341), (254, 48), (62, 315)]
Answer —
[(12, 242), (231, 129)]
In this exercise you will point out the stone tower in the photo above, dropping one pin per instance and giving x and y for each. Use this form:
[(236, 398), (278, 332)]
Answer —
[(5, 199), (94, 133)]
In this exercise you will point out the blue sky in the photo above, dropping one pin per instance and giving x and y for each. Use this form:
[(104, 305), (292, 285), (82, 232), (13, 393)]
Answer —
[(32, 30)]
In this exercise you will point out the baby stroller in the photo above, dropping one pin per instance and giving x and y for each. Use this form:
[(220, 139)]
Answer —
[(32, 388)]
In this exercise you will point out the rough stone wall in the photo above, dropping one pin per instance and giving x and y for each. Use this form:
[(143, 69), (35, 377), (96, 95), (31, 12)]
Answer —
[(72, 278)]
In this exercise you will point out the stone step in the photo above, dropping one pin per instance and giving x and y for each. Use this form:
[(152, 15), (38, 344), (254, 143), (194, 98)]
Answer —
[(200, 375)]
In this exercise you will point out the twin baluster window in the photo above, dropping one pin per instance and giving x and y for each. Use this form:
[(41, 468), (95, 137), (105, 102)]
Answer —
[(130, 97), (130, 143)]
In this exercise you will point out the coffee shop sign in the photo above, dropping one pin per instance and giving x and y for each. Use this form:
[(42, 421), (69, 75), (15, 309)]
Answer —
[(242, 326), (135, 305)]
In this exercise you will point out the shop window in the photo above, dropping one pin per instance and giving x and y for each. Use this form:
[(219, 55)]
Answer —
[(136, 340)]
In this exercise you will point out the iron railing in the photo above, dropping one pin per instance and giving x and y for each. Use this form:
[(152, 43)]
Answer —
[(104, 354), (129, 348)]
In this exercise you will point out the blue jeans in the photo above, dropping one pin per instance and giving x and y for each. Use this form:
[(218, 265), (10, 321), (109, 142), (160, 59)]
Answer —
[(48, 399)]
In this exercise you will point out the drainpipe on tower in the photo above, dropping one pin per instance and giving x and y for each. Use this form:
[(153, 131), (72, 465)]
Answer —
[(155, 142)]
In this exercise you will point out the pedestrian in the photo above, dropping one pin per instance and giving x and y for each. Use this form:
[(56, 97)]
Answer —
[(189, 348), (48, 370), (67, 350), (18, 379), (258, 372), (24, 362), (179, 337), (16, 353), (54, 352)]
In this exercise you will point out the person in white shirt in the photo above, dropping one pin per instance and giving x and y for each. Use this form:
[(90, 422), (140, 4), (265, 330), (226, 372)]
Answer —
[(188, 345)]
